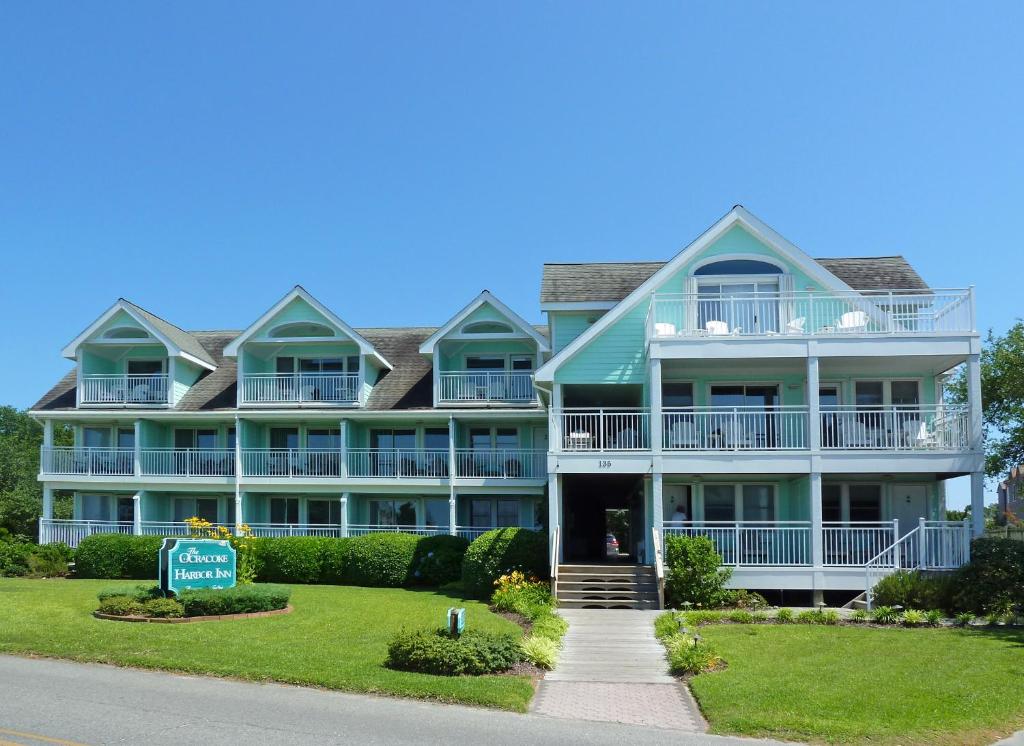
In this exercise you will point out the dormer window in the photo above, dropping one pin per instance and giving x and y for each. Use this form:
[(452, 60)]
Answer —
[(301, 329), (737, 267), (126, 332), (488, 327), (736, 296)]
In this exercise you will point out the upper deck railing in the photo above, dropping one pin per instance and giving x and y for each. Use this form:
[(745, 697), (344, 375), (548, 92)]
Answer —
[(870, 312), (487, 386), (300, 388), (123, 389)]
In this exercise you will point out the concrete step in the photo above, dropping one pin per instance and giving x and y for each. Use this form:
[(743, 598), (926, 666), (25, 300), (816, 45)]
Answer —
[(598, 604), (606, 585), (625, 595), (602, 570)]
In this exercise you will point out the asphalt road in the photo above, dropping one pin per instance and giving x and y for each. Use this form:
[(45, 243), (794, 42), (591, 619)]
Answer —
[(58, 702)]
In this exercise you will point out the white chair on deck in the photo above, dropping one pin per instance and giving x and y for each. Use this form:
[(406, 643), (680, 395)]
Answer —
[(664, 329), (852, 321), (735, 434), (721, 329), (627, 439), (796, 326), (916, 435), (683, 434)]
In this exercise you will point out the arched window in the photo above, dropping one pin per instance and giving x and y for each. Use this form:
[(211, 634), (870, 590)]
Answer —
[(487, 327), (126, 332), (738, 267), (301, 329)]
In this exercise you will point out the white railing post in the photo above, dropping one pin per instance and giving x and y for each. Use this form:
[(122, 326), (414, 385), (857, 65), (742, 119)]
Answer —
[(896, 544), (922, 544), (966, 538), (343, 517), (817, 529), (137, 514)]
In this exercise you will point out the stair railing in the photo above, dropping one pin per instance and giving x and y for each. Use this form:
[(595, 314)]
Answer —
[(659, 566), (901, 553), (553, 550)]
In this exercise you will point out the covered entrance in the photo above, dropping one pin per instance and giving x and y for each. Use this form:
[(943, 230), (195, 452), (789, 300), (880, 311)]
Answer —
[(602, 518)]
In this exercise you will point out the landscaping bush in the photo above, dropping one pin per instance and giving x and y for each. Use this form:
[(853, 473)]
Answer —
[(333, 561), (994, 578), (741, 617), (744, 599), (242, 599), (964, 619), (885, 615), (913, 618), (860, 616), (438, 559), (292, 559), (140, 593), (913, 589), (163, 608), (666, 625), (687, 655), (21, 557), (784, 616), (380, 560), (551, 626), (437, 652), (541, 651), (120, 606), (933, 617), (14, 557), (118, 556), (518, 594), (500, 552), (694, 572)]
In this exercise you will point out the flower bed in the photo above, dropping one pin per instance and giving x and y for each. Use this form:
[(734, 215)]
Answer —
[(147, 603)]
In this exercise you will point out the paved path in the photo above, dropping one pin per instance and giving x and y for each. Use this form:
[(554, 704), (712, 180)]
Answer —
[(613, 669), (58, 702)]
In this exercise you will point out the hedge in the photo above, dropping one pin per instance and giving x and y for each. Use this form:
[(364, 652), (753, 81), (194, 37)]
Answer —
[(993, 581), (242, 599), (19, 557), (436, 652), (498, 553), (390, 560)]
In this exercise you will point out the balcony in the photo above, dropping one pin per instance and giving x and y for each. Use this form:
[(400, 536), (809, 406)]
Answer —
[(87, 462), (515, 463), (120, 462), (123, 390), (398, 463), (291, 462), (187, 462), (604, 429), (300, 388), (735, 428), (872, 313), (939, 427), (486, 387)]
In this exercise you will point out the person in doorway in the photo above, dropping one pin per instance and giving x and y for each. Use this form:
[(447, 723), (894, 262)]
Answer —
[(680, 514)]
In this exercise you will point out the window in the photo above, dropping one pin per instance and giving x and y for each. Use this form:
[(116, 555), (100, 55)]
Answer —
[(905, 394), (323, 439), (96, 437), (487, 439), (203, 507), (323, 512), (485, 362), (126, 438), (126, 332), (828, 396), (95, 507), (388, 439), (758, 503), (145, 367), (205, 439), (522, 362), (869, 393), (231, 438), (751, 306), (831, 503), (480, 513), (436, 513), (314, 366), (435, 439), (865, 503), (508, 513), (301, 329), (676, 394), (125, 510), (392, 513), (284, 510), (231, 512), (738, 267), (284, 437), (487, 327), (719, 502)]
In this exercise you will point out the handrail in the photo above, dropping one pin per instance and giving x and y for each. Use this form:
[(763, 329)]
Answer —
[(553, 550), (659, 566), (874, 564)]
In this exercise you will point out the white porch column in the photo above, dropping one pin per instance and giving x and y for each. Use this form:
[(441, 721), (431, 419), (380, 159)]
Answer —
[(138, 448), (47, 502), (238, 468), (817, 540), (453, 512), (657, 441), (554, 511), (977, 443), (343, 448), (343, 525), (813, 404), (556, 419), (977, 503), (658, 505), (48, 433), (137, 514)]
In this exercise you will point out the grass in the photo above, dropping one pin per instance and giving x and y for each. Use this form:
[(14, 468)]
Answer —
[(852, 685), (336, 637)]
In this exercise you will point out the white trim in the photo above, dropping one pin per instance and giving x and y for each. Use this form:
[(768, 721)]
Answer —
[(428, 346), (232, 349), (580, 305), (736, 216)]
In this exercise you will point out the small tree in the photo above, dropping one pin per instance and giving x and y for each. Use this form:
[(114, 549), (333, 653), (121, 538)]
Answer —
[(694, 572)]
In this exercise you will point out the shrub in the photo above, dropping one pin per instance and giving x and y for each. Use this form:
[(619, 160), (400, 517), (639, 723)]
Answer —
[(517, 594), (436, 652), (118, 556), (500, 552), (993, 579), (702, 616), (694, 572), (828, 617), (964, 619), (784, 616), (380, 560), (140, 593), (291, 559), (541, 651), (859, 616), (885, 615), (745, 599), (120, 606), (687, 655), (438, 559), (163, 608), (242, 599), (333, 560), (914, 590), (550, 626), (933, 617), (666, 625), (741, 617), (14, 555), (758, 616), (913, 618)]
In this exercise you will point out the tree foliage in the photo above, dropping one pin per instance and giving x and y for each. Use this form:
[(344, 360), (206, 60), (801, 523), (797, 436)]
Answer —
[(1002, 394), (21, 495)]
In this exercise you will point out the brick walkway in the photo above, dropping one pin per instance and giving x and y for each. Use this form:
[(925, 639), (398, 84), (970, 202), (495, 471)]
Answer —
[(613, 669)]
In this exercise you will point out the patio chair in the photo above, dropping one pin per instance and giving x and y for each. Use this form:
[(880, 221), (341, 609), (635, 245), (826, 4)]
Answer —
[(717, 328), (578, 439), (735, 434), (916, 434), (856, 435), (626, 439), (664, 329), (796, 326), (683, 434), (852, 321)]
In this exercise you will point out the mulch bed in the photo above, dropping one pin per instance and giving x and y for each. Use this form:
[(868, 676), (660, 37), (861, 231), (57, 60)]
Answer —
[(189, 619)]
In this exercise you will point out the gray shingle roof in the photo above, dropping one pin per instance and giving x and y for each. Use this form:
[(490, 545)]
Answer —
[(613, 281), (185, 341), (408, 386)]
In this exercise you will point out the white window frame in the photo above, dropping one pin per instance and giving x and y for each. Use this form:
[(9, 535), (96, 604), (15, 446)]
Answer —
[(697, 498)]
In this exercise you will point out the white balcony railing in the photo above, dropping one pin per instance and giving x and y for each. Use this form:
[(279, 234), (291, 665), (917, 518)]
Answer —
[(379, 528), (678, 315), (398, 463), (188, 462), (854, 544), (604, 429), (751, 543), (123, 389), (938, 427), (487, 386), (735, 428), (513, 463), (300, 388), (291, 462), (277, 530), (71, 532), (105, 462)]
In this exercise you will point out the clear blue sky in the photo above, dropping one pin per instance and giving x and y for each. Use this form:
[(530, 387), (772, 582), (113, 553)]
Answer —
[(397, 158)]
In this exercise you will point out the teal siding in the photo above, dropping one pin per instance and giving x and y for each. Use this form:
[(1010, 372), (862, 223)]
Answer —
[(615, 356), (567, 326)]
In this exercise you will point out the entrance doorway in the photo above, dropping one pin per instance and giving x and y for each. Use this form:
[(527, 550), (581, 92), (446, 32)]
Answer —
[(602, 518)]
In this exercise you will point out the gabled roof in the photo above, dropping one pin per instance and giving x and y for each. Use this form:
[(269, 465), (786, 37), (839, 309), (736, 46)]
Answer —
[(177, 341), (231, 350), (738, 215), (485, 298)]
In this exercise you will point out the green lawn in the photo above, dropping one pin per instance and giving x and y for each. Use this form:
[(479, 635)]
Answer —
[(336, 637), (844, 684)]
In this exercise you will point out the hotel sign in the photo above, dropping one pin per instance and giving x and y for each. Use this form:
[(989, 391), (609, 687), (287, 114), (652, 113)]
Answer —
[(196, 563)]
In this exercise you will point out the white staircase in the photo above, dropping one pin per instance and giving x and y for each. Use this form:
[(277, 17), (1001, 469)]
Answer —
[(607, 587)]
